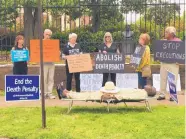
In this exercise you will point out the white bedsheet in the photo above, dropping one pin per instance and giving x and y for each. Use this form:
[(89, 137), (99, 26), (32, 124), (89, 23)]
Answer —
[(125, 93)]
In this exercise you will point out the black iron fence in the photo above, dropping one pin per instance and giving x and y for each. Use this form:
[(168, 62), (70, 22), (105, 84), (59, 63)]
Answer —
[(90, 19)]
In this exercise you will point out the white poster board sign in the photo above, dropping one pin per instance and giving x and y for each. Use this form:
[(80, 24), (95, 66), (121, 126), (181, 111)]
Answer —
[(156, 82), (127, 80), (91, 82)]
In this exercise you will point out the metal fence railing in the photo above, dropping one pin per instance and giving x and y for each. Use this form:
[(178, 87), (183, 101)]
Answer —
[(90, 19)]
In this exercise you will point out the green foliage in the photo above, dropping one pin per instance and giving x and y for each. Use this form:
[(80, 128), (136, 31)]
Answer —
[(88, 40), (8, 13), (133, 5), (162, 13), (93, 123)]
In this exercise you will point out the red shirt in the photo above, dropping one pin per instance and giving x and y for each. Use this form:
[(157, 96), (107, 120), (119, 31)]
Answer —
[(175, 39)]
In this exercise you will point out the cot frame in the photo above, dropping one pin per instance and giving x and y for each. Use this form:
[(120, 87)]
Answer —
[(110, 101)]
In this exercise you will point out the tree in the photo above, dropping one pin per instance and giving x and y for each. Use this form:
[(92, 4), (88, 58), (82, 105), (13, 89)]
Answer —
[(8, 13), (31, 15), (162, 13), (133, 5)]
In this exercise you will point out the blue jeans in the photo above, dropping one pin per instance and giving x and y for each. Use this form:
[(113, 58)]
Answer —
[(142, 80)]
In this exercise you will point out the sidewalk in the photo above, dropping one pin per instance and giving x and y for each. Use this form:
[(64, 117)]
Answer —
[(61, 103)]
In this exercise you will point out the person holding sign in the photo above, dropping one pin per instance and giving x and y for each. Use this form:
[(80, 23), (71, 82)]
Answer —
[(108, 47), (49, 69), (20, 67), (72, 48), (144, 40), (170, 35)]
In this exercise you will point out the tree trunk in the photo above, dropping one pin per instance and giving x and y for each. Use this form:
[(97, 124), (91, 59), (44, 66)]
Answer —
[(95, 15), (31, 30), (36, 24), (28, 25)]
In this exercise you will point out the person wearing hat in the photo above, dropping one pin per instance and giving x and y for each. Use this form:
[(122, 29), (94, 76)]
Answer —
[(170, 35)]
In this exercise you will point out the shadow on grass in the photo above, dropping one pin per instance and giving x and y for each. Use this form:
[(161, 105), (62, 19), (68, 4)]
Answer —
[(103, 110)]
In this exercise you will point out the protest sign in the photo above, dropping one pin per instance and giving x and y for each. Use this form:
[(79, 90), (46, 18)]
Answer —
[(93, 82), (79, 63), (109, 63), (51, 51), (136, 57), (128, 80), (172, 86), (169, 51), (156, 82), (22, 87), (19, 55)]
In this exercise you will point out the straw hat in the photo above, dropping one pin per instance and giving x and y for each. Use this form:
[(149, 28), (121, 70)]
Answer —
[(109, 88)]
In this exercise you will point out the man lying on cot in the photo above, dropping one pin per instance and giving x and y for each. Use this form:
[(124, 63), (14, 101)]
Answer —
[(109, 91)]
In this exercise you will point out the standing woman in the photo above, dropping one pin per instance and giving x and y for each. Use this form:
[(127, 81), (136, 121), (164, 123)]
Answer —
[(144, 40), (72, 48), (108, 47), (20, 68)]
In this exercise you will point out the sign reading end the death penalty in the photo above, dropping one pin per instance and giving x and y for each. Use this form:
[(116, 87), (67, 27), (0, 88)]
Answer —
[(169, 51), (22, 87), (109, 63)]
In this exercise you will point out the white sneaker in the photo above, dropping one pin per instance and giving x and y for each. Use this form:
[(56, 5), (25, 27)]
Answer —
[(51, 96)]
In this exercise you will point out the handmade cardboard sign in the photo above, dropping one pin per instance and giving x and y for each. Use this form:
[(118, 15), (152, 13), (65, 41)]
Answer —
[(79, 63), (51, 51)]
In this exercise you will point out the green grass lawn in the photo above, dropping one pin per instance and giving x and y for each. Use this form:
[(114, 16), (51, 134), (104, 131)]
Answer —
[(93, 123)]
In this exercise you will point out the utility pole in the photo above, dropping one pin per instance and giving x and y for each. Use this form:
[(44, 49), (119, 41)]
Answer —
[(41, 64)]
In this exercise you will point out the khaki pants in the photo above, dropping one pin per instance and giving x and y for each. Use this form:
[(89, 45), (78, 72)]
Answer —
[(174, 68), (49, 70)]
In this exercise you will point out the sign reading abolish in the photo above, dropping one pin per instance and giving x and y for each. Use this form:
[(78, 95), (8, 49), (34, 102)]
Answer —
[(169, 51), (136, 57), (51, 52), (109, 63), (19, 55), (22, 87), (79, 63), (172, 86)]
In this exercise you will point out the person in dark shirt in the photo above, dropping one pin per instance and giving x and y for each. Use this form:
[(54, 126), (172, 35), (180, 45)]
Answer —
[(108, 47), (20, 68), (72, 48)]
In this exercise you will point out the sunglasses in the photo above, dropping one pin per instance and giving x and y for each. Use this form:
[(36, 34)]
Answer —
[(107, 36)]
